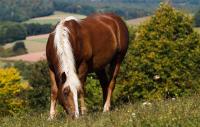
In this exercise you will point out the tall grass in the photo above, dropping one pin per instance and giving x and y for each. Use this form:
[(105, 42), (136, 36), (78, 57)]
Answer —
[(184, 112)]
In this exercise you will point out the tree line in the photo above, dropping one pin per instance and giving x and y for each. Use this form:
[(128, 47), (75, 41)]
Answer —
[(12, 31), (20, 10)]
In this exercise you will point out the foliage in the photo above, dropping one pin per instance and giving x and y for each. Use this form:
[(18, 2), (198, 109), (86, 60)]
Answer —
[(93, 93), (74, 7), (38, 76), (123, 10), (18, 49), (19, 46), (11, 90), (197, 19), (36, 28), (11, 31), (20, 10), (163, 61)]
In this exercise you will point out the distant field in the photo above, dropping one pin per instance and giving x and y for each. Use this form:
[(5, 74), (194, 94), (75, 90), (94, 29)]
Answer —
[(33, 43), (197, 29), (53, 19), (137, 21), (35, 46)]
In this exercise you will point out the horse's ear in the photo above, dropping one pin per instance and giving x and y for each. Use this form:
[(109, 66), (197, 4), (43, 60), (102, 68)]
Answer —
[(63, 77)]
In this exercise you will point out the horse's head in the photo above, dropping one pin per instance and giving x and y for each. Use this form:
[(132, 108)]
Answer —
[(68, 95)]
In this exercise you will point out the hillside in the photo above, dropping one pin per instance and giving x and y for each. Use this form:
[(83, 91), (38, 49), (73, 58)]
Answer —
[(36, 44), (54, 18), (176, 112)]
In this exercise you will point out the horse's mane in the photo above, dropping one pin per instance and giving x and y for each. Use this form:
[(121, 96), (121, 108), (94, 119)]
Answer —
[(65, 53)]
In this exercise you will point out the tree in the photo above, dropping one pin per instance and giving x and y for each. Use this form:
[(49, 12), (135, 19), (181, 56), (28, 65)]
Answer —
[(163, 60), (20, 10), (197, 19), (11, 31)]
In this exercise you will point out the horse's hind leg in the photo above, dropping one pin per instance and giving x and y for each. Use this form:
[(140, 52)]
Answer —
[(104, 83), (114, 69), (54, 91)]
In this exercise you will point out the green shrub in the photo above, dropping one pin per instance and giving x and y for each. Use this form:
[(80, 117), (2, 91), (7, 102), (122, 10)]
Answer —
[(11, 31), (163, 61), (18, 49), (93, 93), (37, 75), (11, 90), (36, 28)]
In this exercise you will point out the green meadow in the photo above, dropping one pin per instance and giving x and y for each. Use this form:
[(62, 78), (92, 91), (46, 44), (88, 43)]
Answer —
[(175, 112)]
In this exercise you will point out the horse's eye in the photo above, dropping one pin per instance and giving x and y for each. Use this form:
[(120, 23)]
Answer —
[(66, 91)]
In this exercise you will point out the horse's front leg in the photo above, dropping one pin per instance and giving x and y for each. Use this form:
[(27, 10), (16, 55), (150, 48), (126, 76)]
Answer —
[(54, 92), (82, 73)]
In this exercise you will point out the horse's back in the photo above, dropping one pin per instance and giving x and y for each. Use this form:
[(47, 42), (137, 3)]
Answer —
[(107, 36)]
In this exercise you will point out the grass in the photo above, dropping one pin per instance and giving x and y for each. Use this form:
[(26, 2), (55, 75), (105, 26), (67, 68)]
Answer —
[(35, 44), (183, 112), (53, 19), (197, 29)]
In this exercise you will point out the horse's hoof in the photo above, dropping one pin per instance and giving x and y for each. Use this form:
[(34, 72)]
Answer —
[(50, 118), (106, 109), (83, 110)]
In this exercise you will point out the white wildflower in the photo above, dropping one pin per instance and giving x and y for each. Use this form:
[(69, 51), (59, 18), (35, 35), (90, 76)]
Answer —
[(146, 104), (156, 77), (133, 115)]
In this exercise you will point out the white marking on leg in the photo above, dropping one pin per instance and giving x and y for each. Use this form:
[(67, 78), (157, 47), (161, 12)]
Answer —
[(75, 97), (106, 107), (52, 109)]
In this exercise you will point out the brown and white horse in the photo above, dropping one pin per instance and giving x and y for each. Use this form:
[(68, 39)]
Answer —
[(78, 47)]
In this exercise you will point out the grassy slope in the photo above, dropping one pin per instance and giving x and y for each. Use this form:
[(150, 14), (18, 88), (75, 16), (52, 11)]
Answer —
[(197, 29), (36, 44), (53, 19), (178, 112)]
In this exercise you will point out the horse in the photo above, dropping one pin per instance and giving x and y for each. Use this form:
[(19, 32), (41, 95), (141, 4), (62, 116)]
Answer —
[(78, 47)]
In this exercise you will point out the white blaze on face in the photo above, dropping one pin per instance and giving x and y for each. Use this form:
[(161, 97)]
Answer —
[(66, 59)]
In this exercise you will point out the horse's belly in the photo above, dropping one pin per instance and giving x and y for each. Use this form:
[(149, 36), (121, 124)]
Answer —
[(102, 59)]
